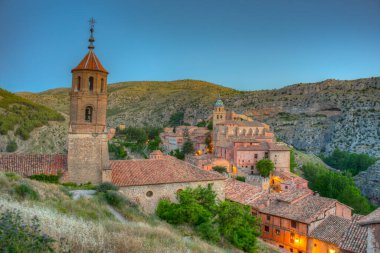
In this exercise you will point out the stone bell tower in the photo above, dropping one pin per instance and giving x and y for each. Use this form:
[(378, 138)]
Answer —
[(87, 140), (219, 114)]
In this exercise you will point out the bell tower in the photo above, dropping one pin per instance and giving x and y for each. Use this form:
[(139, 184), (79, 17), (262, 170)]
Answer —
[(219, 114), (87, 140)]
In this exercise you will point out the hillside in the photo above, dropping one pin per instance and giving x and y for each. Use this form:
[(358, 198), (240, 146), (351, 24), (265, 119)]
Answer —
[(315, 117), (89, 224), (19, 118)]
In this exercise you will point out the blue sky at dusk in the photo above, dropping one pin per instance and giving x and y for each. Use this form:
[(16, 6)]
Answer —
[(243, 44)]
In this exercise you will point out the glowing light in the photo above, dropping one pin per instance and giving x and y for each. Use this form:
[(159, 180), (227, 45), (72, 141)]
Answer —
[(331, 250), (297, 240)]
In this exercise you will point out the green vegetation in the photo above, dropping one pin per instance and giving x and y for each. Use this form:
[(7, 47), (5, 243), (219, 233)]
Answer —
[(213, 221), (23, 116), (240, 178), (138, 140), (351, 162), (220, 169), (265, 167), (188, 147), (11, 146), (54, 179), (203, 123), (25, 191), (336, 185), (293, 164), (106, 186), (177, 154), (16, 235), (176, 119)]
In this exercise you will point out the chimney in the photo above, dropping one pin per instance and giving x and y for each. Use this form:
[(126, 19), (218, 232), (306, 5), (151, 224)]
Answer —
[(157, 154)]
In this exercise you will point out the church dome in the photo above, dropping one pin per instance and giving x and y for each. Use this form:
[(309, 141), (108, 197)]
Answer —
[(219, 103)]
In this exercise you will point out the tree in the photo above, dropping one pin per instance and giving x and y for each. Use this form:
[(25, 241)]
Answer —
[(220, 169), (265, 167), (188, 147), (293, 163), (176, 119)]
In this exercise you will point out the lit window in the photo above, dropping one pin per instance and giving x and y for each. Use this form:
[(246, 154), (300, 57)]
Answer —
[(292, 238), (277, 232)]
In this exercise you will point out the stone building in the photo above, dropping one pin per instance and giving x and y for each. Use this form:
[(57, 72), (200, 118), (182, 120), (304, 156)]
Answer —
[(371, 223), (300, 221), (147, 181), (243, 141), (87, 139)]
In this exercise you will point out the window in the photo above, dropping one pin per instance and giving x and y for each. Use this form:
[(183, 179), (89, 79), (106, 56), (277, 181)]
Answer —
[(256, 156), (91, 83), (291, 250), (149, 194), (266, 228), (292, 238), (102, 88), (277, 232), (88, 114), (268, 217), (281, 246), (294, 224), (78, 84)]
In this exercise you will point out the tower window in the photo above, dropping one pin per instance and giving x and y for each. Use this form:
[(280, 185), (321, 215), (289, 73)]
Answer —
[(88, 114), (78, 84), (102, 85), (91, 84)]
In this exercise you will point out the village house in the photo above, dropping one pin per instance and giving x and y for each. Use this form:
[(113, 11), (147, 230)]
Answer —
[(300, 221)]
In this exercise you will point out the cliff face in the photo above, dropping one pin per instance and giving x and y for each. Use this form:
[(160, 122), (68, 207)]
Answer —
[(315, 117), (369, 183)]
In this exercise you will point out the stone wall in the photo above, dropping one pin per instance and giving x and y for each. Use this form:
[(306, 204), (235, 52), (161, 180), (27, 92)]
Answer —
[(148, 196), (87, 157)]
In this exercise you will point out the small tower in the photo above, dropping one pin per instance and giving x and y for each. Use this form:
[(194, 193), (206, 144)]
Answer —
[(219, 114), (87, 140)]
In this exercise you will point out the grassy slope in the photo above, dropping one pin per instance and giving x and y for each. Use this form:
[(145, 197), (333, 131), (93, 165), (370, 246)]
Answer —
[(23, 116), (86, 225)]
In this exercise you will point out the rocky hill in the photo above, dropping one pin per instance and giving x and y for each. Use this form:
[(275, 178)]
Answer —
[(314, 117)]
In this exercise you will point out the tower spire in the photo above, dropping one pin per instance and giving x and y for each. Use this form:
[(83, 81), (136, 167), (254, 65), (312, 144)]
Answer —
[(91, 39)]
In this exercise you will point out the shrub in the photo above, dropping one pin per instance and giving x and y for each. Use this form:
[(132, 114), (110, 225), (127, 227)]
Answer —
[(265, 167), (12, 176), (11, 146), (18, 236), (53, 179), (106, 186), (188, 147), (220, 169), (25, 191), (208, 231), (240, 178), (114, 199)]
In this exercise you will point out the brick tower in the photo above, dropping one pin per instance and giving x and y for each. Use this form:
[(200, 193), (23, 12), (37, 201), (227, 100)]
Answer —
[(87, 140), (219, 114)]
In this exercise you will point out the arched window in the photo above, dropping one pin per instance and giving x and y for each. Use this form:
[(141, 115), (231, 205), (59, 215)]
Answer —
[(91, 83), (102, 85), (88, 114), (78, 84)]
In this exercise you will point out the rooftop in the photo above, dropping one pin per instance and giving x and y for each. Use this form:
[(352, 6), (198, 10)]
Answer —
[(243, 123), (331, 230), (372, 218), (241, 192), (158, 171), (355, 238), (90, 62)]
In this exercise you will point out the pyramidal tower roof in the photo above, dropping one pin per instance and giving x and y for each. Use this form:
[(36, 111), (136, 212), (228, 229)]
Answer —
[(90, 61)]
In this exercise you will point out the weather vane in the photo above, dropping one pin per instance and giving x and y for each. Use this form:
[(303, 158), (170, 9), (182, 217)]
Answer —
[(91, 39)]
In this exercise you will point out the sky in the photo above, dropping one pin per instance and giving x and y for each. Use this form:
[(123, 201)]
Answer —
[(243, 44)]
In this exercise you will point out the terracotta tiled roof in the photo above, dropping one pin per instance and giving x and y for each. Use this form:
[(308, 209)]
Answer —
[(156, 152), (90, 62), (304, 210), (242, 123), (162, 171), (372, 218), (241, 192), (27, 165), (355, 237), (331, 229)]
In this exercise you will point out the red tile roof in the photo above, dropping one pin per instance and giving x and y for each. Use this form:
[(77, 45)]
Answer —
[(90, 62), (331, 229), (241, 192), (355, 237), (158, 171), (27, 165)]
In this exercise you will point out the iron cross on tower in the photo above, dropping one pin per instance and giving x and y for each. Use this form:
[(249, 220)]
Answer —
[(91, 39)]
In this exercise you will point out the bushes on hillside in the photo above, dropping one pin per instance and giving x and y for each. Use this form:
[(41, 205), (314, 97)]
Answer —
[(220, 169), (212, 220), (16, 235), (11, 146), (336, 185), (25, 191), (351, 162), (107, 186), (53, 179)]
